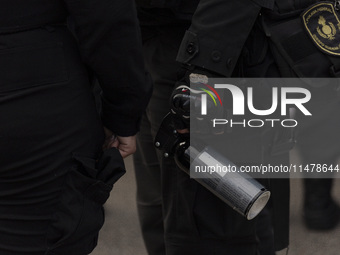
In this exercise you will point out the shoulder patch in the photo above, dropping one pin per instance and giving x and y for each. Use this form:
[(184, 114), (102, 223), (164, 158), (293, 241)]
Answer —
[(322, 24)]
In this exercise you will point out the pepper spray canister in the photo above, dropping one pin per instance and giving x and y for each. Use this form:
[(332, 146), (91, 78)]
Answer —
[(223, 178)]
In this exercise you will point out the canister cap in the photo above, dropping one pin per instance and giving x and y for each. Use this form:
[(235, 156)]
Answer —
[(258, 205)]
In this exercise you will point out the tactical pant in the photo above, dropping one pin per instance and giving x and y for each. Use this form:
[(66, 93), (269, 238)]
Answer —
[(160, 48)]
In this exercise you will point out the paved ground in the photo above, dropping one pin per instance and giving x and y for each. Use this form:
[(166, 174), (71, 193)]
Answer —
[(121, 235)]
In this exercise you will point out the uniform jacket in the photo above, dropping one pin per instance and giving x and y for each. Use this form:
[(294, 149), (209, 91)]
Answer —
[(110, 44), (220, 28)]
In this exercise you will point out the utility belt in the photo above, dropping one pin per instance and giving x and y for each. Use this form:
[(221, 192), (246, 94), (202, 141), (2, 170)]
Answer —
[(305, 43)]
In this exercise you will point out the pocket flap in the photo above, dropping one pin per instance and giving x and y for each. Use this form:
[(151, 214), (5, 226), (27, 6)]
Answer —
[(110, 166)]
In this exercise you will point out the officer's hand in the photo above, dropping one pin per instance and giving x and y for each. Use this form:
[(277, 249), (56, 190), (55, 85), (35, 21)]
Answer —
[(125, 145)]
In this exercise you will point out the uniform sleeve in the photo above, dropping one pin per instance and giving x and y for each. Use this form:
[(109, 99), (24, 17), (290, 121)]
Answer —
[(218, 32), (110, 44)]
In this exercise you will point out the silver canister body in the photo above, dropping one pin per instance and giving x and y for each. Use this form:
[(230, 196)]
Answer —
[(225, 180)]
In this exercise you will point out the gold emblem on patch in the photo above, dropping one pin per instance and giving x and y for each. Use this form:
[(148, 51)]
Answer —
[(327, 30), (323, 27)]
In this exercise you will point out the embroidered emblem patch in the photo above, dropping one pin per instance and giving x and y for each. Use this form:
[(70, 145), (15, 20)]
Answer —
[(323, 26)]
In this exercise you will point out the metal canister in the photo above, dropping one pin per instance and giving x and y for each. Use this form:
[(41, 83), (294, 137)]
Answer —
[(223, 178)]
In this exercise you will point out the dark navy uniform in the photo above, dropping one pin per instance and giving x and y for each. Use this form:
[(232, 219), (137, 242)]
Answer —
[(53, 179)]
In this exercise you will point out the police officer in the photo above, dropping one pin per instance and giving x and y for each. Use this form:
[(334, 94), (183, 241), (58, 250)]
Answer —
[(54, 174), (253, 39), (226, 38), (179, 192), (163, 26)]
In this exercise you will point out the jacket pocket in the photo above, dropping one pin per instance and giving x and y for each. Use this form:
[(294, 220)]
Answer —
[(80, 215)]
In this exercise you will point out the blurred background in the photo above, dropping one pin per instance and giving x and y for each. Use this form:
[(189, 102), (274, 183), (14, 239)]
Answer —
[(121, 234)]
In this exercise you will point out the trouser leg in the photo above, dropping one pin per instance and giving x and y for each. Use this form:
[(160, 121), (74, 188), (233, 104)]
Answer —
[(149, 201), (160, 54), (318, 141), (264, 232)]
